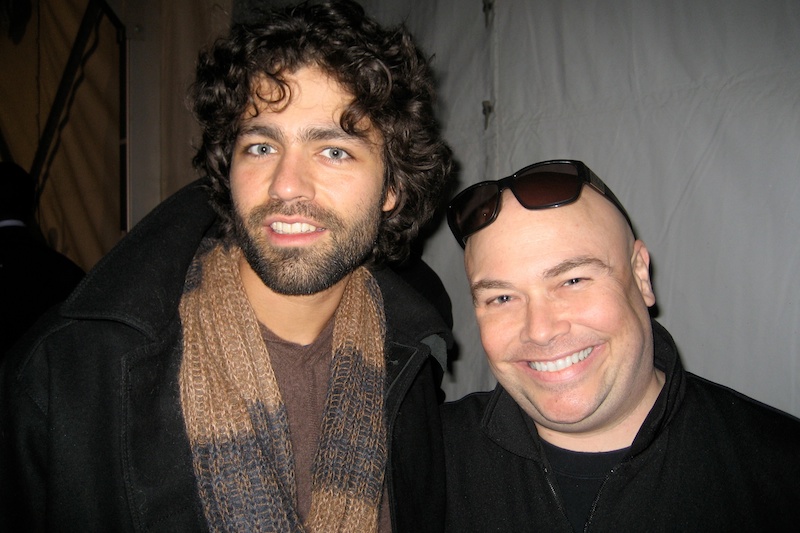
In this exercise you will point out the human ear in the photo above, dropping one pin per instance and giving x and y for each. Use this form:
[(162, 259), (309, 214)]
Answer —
[(390, 202), (640, 265)]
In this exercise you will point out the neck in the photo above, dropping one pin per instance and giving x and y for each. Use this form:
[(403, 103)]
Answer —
[(298, 319)]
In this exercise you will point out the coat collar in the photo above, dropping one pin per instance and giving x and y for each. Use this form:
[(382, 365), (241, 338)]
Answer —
[(140, 281), (411, 319)]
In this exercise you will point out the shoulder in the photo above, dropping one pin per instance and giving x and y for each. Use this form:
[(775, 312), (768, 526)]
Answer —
[(740, 453), (469, 408), (407, 288), (754, 426), (412, 313), (734, 405), (140, 281), (462, 419), (63, 348), (42, 354)]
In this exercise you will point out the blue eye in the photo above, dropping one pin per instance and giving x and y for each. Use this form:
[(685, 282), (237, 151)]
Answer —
[(260, 149), (335, 153)]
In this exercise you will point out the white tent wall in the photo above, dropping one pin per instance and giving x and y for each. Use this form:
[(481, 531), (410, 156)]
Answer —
[(688, 109)]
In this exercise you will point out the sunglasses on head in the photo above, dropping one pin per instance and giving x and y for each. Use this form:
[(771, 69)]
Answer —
[(537, 186)]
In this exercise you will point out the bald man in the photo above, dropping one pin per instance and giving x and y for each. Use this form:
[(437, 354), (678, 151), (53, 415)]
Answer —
[(594, 424)]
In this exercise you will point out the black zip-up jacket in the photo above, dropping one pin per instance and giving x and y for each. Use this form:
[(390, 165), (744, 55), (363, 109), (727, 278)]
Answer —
[(91, 428), (706, 459)]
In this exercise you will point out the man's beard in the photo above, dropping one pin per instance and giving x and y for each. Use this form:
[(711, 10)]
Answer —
[(311, 269)]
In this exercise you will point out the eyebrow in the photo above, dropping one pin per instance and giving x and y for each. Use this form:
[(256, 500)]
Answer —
[(309, 134), (576, 262), (486, 284)]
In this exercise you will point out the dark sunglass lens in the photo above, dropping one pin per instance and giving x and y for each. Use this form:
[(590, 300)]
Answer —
[(474, 208), (547, 186)]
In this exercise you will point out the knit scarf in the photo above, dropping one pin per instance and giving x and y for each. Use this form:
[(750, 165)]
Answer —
[(237, 423)]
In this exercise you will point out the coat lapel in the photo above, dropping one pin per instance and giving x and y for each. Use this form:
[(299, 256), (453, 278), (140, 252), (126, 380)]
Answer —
[(156, 451)]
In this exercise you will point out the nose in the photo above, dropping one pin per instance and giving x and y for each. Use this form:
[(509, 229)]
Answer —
[(292, 179), (544, 321)]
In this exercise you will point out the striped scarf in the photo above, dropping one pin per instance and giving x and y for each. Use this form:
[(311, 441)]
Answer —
[(237, 423)]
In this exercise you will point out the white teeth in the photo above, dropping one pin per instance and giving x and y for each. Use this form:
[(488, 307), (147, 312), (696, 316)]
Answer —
[(561, 364), (290, 229)]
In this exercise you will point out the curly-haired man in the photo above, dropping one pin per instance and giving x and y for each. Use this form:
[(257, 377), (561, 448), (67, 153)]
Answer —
[(243, 361)]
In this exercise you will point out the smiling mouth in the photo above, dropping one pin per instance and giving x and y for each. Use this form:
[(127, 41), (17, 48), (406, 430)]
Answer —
[(297, 228), (561, 364)]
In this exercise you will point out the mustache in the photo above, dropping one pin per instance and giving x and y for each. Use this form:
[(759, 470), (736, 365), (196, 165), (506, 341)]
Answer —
[(324, 217)]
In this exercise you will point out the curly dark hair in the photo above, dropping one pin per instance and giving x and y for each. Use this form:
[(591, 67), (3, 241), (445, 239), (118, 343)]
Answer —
[(387, 74)]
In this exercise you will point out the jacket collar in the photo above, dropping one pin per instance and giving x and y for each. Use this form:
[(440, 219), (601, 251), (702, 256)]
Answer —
[(666, 359), (154, 256), (411, 319), (505, 423)]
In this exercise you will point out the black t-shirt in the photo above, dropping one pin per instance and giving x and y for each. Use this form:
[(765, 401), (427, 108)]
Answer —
[(579, 476)]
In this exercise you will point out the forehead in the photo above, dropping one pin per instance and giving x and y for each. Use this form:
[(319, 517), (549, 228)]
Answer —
[(307, 94), (589, 227), (308, 86)]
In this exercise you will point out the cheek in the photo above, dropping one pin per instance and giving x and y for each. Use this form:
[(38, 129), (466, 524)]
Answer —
[(603, 310), (617, 318), (248, 188), (363, 196), (597, 317), (238, 182), (497, 335)]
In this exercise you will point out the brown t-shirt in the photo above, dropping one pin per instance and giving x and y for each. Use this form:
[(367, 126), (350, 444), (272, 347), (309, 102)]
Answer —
[(302, 373)]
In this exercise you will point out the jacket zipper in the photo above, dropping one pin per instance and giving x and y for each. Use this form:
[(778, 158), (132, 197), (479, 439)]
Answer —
[(597, 498), (390, 434), (553, 491)]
